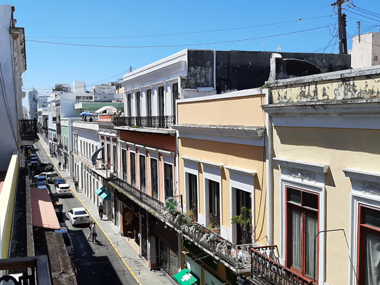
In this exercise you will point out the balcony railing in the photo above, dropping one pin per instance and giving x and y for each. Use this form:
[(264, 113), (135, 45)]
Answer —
[(236, 256), (38, 266), (265, 266), (165, 122), (28, 129), (141, 196)]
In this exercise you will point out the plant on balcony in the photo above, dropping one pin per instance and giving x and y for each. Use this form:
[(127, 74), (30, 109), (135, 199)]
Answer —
[(214, 223), (245, 221)]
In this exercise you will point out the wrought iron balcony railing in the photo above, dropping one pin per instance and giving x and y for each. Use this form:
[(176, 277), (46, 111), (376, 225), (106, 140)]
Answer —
[(141, 196), (265, 266), (165, 122), (38, 267), (236, 256), (28, 129)]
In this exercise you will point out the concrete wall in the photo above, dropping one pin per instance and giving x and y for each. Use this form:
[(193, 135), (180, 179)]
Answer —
[(366, 51)]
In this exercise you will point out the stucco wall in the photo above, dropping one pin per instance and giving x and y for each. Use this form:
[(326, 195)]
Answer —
[(338, 148), (238, 110), (239, 156)]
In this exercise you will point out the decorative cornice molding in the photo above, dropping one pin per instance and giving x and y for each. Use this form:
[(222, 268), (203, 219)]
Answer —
[(307, 168), (239, 131), (362, 175)]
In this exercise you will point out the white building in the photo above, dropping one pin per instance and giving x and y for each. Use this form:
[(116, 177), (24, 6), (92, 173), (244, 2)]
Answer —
[(33, 101), (365, 50)]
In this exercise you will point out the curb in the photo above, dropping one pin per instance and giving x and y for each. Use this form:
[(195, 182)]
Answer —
[(111, 243)]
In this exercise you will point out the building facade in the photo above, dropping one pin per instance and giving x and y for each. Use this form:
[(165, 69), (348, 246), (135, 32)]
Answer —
[(325, 175)]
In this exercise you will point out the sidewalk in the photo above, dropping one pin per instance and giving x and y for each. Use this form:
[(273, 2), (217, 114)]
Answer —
[(131, 259)]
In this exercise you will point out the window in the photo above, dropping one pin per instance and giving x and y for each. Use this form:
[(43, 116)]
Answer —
[(175, 97), (154, 177), (124, 164), (142, 174), (161, 102), (243, 199), (168, 178), (193, 195), (133, 168), (214, 206), (129, 104), (149, 102), (138, 105), (369, 245), (302, 228)]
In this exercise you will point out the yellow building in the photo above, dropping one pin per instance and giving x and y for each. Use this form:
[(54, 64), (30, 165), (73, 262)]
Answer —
[(221, 169), (326, 178)]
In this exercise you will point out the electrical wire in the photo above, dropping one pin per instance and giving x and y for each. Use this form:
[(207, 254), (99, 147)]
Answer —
[(180, 45), (185, 33)]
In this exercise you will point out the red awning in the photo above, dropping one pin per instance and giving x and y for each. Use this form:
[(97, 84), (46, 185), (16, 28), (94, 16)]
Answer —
[(43, 213)]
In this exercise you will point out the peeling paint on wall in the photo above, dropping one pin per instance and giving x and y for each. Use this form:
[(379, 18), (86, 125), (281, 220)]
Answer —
[(347, 89)]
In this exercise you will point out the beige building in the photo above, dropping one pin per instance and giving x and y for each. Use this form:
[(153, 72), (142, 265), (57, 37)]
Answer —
[(221, 150), (326, 179)]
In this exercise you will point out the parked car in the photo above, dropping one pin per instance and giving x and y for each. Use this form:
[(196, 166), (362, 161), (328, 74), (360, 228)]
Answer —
[(59, 181), (78, 216), (63, 189), (67, 239), (51, 177), (40, 180)]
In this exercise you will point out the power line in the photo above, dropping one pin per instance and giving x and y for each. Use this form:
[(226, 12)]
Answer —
[(182, 45), (184, 33)]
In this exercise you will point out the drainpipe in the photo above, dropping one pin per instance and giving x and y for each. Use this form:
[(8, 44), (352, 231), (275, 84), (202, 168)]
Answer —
[(269, 176)]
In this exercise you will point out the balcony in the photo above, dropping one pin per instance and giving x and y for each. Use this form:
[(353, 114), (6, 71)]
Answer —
[(28, 130), (265, 266), (163, 122), (235, 257), (38, 267)]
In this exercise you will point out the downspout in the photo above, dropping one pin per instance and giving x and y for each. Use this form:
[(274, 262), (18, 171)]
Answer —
[(269, 176)]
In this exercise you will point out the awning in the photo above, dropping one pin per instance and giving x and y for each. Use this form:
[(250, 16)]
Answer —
[(100, 191), (185, 277), (43, 213), (106, 195), (95, 154)]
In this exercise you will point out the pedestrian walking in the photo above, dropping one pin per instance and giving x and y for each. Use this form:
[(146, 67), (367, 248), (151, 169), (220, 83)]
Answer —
[(90, 233), (101, 211), (59, 165), (94, 234)]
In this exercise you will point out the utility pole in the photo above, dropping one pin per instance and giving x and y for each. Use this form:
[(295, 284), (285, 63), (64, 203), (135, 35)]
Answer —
[(341, 27), (359, 30)]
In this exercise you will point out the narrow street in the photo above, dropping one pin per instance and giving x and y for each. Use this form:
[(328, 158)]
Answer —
[(96, 263)]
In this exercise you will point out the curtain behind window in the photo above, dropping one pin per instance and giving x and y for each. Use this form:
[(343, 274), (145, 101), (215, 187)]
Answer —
[(297, 239), (373, 259)]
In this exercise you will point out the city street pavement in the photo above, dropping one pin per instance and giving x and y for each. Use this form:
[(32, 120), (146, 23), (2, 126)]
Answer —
[(124, 248)]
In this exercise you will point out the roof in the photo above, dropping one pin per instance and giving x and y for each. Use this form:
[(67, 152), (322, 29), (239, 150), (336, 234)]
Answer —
[(43, 214)]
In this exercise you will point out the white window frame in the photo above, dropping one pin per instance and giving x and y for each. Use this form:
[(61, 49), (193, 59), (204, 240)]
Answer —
[(310, 177), (366, 191), (244, 180), (211, 171), (190, 167)]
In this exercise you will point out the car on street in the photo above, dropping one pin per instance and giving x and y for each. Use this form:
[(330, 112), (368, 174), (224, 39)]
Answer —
[(66, 238), (40, 180), (78, 216), (59, 181), (51, 177), (63, 190)]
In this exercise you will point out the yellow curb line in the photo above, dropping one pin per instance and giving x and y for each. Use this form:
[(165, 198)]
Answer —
[(125, 263)]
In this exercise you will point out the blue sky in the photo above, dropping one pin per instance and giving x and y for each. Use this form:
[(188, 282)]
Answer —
[(146, 31)]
